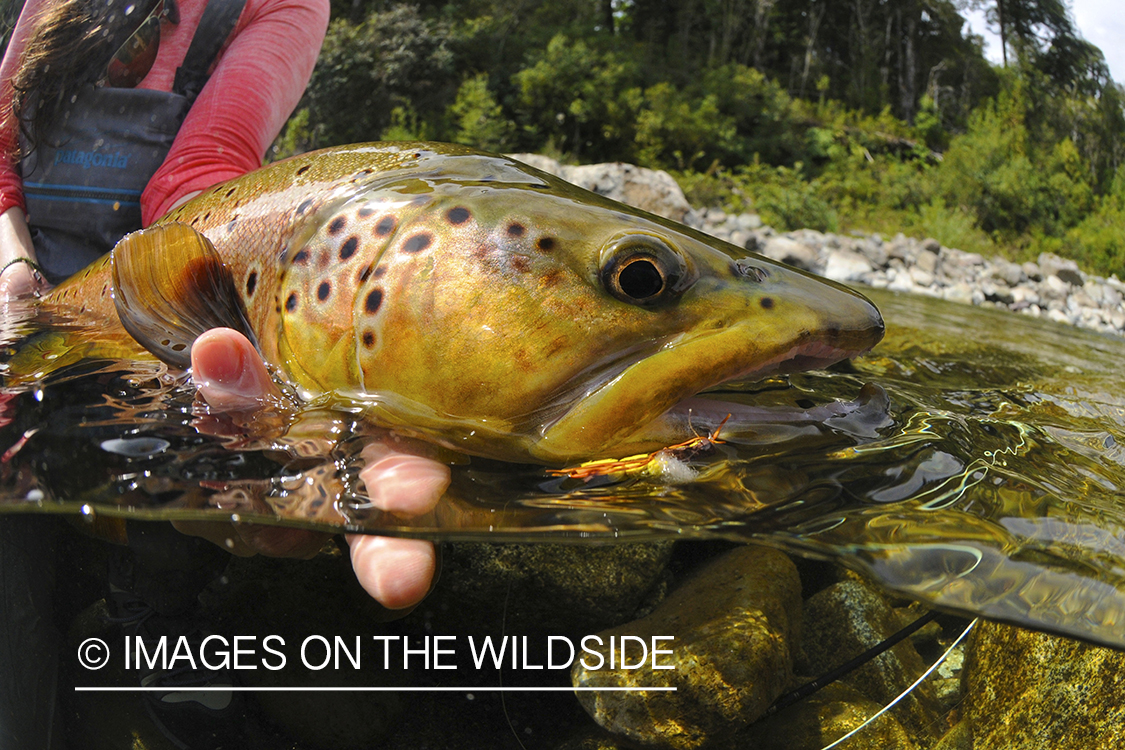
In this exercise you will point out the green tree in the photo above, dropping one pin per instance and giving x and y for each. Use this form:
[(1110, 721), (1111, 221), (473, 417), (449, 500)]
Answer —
[(392, 60)]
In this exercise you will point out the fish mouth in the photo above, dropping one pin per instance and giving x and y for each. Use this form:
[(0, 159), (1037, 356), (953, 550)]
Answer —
[(627, 410), (809, 355)]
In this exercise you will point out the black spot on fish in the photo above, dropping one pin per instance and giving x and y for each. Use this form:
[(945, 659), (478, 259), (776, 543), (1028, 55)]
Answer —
[(305, 206), (303, 169), (291, 302), (302, 256), (348, 249), (323, 291), (766, 303), (207, 216), (368, 339), (251, 283), (179, 347), (365, 212), (374, 299), (546, 244), (417, 243), (364, 274), (385, 226), (317, 504), (458, 215), (230, 192), (337, 225), (230, 225), (516, 230)]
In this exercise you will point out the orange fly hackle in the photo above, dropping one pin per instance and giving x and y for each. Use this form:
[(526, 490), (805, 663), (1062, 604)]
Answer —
[(640, 463)]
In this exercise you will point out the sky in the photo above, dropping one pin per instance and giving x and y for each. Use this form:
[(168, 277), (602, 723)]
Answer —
[(1099, 21)]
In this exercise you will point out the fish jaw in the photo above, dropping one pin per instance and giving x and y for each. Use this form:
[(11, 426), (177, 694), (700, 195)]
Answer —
[(808, 323)]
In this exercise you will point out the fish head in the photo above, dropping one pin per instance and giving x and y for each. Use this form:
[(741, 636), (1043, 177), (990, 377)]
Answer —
[(515, 314)]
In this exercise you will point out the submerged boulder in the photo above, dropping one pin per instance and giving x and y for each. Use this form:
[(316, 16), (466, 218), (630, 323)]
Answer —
[(1031, 690), (735, 624)]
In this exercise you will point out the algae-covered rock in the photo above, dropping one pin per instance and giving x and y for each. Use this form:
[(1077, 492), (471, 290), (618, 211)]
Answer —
[(845, 620), (734, 623), (825, 717), (537, 589), (1030, 690)]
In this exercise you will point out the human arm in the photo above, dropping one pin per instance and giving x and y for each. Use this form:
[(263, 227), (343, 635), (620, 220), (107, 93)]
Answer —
[(17, 278), (255, 86), (19, 275)]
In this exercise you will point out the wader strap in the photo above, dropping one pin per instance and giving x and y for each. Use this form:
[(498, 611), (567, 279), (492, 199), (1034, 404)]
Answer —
[(219, 19)]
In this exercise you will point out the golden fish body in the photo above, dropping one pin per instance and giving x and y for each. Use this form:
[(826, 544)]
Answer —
[(468, 297)]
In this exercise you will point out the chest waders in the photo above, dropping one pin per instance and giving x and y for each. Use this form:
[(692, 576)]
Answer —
[(82, 190), (83, 184)]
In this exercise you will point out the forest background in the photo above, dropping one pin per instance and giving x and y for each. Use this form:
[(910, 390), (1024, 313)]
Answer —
[(872, 115)]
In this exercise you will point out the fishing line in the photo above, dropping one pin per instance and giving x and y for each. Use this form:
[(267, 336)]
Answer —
[(809, 688), (908, 690)]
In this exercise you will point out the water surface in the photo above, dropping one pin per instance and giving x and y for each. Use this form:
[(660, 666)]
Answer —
[(991, 484)]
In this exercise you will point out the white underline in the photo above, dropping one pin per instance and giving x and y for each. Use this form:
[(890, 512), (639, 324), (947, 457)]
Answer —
[(244, 689)]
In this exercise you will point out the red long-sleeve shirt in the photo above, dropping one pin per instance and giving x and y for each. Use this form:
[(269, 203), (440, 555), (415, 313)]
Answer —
[(256, 84)]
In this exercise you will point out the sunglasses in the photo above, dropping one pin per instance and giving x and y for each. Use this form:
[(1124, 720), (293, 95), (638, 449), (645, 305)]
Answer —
[(134, 59)]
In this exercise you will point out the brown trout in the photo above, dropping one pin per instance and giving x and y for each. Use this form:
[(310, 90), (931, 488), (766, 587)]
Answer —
[(460, 296)]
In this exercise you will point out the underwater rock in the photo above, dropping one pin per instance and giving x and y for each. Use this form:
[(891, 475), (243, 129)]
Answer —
[(850, 617), (1031, 690), (735, 624), (824, 718), (541, 589), (294, 599)]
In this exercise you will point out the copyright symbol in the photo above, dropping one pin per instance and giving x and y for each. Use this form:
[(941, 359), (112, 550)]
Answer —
[(93, 653)]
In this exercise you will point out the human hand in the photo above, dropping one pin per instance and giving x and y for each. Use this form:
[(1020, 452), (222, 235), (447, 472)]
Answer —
[(19, 280), (19, 275), (229, 374)]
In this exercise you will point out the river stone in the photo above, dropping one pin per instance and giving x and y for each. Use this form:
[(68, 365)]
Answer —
[(735, 623), (647, 189), (850, 617), (540, 589), (845, 265), (1064, 268), (927, 262), (825, 717), (789, 251), (1032, 690)]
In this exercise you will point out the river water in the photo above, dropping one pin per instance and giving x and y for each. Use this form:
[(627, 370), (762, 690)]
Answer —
[(989, 482)]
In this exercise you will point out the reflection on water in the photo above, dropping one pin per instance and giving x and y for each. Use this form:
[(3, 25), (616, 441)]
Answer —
[(993, 488)]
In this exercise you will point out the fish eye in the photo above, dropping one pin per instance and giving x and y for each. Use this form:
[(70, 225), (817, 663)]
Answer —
[(643, 270)]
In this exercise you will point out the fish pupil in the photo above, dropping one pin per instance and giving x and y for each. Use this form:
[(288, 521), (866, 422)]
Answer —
[(640, 279)]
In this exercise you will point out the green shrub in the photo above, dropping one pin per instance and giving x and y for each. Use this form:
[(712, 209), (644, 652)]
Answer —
[(479, 119)]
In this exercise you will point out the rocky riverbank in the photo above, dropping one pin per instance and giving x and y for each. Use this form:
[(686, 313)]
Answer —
[(1052, 287)]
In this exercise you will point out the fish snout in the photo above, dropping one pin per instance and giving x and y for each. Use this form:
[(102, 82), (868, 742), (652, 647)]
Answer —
[(830, 313)]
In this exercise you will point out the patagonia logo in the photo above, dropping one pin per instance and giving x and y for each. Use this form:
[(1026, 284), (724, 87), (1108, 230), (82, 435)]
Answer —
[(92, 159)]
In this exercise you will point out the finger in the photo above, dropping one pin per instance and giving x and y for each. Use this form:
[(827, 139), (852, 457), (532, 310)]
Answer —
[(403, 483), (397, 573), (228, 371)]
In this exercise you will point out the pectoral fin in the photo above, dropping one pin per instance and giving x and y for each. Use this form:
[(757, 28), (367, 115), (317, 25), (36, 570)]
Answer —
[(171, 286)]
